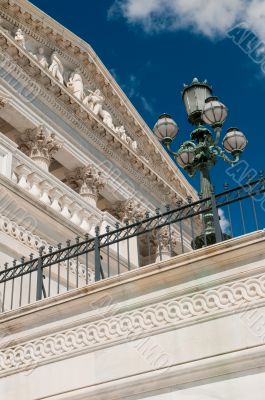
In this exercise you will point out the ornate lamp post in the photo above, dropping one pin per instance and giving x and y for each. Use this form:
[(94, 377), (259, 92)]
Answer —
[(201, 152)]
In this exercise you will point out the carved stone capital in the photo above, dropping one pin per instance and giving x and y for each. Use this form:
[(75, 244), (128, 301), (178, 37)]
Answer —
[(3, 102), (40, 146), (129, 210), (166, 241), (88, 181)]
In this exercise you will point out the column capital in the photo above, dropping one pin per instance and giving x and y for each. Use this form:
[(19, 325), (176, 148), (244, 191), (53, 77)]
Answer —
[(3, 102), (129, 210), (40, 145), (166, 241), (89, 181)]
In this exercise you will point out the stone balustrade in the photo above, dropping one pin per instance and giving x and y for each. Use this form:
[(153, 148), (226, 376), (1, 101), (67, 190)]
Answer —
[(49, 190)]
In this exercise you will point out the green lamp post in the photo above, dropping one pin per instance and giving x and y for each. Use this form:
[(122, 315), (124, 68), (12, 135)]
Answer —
[(202, 150)]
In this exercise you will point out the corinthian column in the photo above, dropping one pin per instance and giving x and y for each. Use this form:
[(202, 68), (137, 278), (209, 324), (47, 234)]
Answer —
[(89, 181), (40, 146)]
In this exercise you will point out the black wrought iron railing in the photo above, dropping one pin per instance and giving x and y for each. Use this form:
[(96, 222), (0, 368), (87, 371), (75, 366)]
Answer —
[(169, 232)]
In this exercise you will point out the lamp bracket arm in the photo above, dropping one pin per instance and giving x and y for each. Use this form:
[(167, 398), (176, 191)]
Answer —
[(188, 143), (191, 171), (173, 153), (219, 152)]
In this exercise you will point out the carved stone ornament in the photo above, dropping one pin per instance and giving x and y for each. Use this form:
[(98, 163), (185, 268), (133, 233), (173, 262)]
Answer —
[(3, 102), (178, 311), (89, 181), (41, 58), (129, 210), (40, 146), (166, 241), (121, 132), (94, 101), (75, 84), (69, 54), (56, 68), (20, 38)]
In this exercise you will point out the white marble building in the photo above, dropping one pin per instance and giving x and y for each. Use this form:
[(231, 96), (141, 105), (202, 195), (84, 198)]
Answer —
[(75, 154), (74, 151)]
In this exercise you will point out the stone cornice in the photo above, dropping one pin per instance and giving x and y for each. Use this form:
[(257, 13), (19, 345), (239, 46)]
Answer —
[(80, 118), (78, 52)]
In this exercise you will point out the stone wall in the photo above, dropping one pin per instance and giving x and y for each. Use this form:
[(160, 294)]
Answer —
[(192, 327)]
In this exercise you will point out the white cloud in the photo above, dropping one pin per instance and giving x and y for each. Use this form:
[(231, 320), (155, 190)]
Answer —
[(132, 88), (134, 9), (146, 105), (255, 16), (211, 18), (224, 223), (114, 74)]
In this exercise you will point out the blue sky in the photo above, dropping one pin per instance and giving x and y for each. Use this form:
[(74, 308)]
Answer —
[(152, 47)]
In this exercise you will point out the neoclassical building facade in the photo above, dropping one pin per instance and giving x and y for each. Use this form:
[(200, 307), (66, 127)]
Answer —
[(76, 155), (72, 144)]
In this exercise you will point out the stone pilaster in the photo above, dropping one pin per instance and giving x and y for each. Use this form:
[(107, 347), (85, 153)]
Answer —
[(40, 146), (89, 181)]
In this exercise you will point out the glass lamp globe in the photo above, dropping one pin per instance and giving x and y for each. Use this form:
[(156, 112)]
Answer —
[(185, 157), (234, 141), (214, 112), (194, 96), (165, 129)]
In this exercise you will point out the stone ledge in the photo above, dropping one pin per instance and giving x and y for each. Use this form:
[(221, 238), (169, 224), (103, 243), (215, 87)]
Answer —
[(175, 378), (142, 303), (180, 268)]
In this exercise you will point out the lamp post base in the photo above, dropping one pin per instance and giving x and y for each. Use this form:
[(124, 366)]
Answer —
[(206, 239)]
